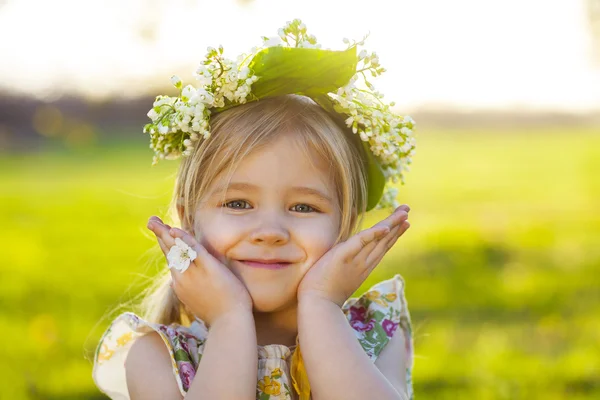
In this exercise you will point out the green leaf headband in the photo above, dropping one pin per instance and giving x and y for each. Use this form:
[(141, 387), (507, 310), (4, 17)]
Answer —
[(292, 63)]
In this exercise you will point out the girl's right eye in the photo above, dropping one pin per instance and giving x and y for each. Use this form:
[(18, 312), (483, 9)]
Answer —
[(237, 204)]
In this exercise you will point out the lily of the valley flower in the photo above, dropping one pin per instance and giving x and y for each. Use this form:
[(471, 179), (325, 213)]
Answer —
[(179, 122), (181, 255)]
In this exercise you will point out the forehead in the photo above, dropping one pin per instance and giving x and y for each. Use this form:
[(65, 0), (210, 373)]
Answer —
[(281, 164)]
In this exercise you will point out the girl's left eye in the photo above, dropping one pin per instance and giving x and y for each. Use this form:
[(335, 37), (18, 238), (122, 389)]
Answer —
[(237, 204), (303, 208)]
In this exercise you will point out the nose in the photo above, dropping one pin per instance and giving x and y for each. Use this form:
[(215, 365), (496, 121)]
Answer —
[(270, 234)]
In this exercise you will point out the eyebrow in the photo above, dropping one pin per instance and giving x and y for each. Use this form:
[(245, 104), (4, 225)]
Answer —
[(248, 187)]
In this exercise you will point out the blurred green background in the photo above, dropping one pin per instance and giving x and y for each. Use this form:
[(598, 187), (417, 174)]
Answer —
[(502, 261)]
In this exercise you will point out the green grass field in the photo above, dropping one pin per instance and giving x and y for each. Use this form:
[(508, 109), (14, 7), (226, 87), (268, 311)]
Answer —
[(502, 262)]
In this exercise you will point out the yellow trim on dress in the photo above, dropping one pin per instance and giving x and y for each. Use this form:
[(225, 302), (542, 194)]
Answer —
[(298, 372)]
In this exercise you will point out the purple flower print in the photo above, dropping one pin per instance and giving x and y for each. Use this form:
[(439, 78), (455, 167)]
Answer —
[(184, 344), (361, 326), (167, 330), (357, 313), (187, 373), (389, 327)]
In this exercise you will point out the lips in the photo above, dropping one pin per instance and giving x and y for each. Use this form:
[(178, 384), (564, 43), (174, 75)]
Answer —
[(266, 264)]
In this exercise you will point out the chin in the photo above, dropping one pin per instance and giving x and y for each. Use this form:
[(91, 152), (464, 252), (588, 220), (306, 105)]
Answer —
[(270, 294), (268, 303)]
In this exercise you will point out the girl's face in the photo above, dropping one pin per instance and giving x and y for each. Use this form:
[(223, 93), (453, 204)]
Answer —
[(280, 205)]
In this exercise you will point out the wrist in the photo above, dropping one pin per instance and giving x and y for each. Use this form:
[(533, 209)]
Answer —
[(236, 316), (316, 298), (311, 300)]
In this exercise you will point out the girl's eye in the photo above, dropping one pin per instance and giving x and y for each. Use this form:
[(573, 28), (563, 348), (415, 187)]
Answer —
[(303, 208), (243, 205), (237, 204)]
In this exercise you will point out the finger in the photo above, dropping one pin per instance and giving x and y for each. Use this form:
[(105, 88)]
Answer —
[(383, 228), (163, 247), (353, 246), (387, 242), (165, 240), (404, 207), (156, 225), (396, 218), (377, 257), (382, 245), (154, 222)]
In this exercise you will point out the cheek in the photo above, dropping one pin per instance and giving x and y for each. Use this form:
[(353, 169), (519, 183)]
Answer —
[(217, 234), (317, 240)]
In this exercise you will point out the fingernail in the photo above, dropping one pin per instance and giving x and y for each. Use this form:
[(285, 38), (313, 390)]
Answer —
[(150, 226)]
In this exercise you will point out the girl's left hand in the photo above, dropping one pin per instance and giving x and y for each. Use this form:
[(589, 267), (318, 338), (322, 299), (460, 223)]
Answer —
[(342, 269)]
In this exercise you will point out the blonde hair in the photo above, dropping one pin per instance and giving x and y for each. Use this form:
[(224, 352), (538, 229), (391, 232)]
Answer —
[(236, 133)]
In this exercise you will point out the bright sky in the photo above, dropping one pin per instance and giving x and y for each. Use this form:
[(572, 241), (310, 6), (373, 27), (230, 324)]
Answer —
[(467, 53)]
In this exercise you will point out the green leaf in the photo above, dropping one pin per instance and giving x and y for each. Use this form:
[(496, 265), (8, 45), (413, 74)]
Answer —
[(291, 70), (375, 177), (181, 355), (265, 396), (314, 73)]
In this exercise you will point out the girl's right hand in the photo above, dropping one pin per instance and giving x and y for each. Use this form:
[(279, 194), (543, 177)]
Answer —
[(207, 288)]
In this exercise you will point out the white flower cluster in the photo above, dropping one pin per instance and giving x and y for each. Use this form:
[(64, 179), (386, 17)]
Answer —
[(179, 122), (390, 136), (293, 34)]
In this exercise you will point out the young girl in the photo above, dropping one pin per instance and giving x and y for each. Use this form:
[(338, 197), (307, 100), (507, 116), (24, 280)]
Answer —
[(268, 196)]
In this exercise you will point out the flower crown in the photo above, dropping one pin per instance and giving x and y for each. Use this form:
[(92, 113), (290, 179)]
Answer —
[(292, 63)]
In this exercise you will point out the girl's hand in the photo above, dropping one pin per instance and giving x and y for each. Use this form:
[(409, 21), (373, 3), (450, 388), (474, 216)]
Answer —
[(342, 269), (207, 288)]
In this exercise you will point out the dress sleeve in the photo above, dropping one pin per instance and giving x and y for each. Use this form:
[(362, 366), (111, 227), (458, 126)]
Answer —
[(185, 345), (376, 316)]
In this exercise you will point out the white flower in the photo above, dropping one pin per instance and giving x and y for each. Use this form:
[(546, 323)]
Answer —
[(181, 255), (176, 81), (387, 135), (244, 72), (232, 76), (152, 114), (204, 76), (204, 96), (162, 129), (405, 131), (188, 92)]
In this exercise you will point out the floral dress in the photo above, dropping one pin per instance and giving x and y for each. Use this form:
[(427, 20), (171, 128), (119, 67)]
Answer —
[(374, 317)]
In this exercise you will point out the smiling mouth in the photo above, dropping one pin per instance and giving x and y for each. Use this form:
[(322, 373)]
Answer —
[(266, 265)]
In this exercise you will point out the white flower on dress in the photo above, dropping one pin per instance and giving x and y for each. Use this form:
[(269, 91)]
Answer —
[(181, 255)]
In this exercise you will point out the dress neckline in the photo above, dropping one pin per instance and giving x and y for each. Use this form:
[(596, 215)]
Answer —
[(199, 327)]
